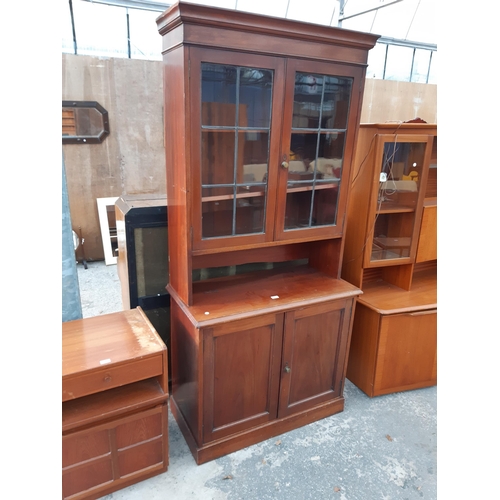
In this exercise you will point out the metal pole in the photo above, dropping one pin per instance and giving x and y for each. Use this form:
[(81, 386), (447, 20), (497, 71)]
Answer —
[(73, 25), (341, 12), (128, 36)]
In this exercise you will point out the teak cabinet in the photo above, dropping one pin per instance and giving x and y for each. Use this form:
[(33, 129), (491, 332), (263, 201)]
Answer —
[(114, 404), (391, 254), (261, 117)]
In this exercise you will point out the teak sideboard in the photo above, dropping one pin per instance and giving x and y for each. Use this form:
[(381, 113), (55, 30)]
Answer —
[(114, 404), (391, 254), (261, 118)]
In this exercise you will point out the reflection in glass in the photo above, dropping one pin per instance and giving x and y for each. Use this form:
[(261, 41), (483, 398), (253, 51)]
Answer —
[(401, 173), (217, 157), (217, 211), (321, 99), (392, 236), (319, 124), (236, 118), (151, 254), (400, 181)]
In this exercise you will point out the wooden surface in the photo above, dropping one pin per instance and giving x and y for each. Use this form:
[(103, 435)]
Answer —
[(253, 354), (394, 338), (393, 352), (182, 28), (237, 380), (427, 245), (108, 351), (248, 295), (114, 410), (106, 457), (390, 299), (264, 34)]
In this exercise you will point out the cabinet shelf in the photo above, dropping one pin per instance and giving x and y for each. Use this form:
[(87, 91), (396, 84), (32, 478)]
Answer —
[(224, 197), (317, 187), (395, 208), (259, 194)]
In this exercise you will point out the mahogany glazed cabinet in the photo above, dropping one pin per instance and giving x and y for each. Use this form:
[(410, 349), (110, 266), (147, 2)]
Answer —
[(261, 117), (391, 254), (114, 404)]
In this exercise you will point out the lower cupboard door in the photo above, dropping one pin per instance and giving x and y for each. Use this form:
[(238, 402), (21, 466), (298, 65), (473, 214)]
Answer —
[(241, 366), (407, 352), (314, 353)]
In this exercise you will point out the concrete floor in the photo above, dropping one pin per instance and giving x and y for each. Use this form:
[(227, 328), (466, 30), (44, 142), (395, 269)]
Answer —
[(383, 448)]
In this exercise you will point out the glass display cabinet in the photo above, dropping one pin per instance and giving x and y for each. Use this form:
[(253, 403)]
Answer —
[(399, 198), (261, 118), (267, 169), (391, 254)]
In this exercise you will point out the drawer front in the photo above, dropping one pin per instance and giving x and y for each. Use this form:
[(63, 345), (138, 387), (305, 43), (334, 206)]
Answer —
[(141, 456), (83, 447), (79, 385), (103, 458), (407, 352), (87, 476)]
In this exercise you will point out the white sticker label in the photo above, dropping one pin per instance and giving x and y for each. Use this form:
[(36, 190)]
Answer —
[(104, 361)]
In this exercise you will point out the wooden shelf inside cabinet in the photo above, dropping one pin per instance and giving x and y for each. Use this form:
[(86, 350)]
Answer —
[(387, 208), (114, 403)]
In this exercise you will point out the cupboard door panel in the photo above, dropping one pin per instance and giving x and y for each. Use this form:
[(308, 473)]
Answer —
[(314, 346), (407, 352), (241, 374)]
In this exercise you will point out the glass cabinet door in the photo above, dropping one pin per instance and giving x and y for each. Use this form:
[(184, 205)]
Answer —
[(234, 125), (319, 125), (316, 148), (403, 168), (236, 122), (273, 147)]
